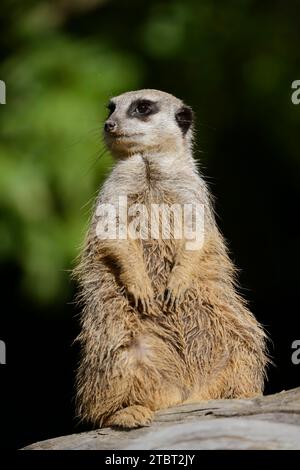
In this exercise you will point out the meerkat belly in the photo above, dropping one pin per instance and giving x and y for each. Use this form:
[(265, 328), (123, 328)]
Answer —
[(141, 352), (155, 367)]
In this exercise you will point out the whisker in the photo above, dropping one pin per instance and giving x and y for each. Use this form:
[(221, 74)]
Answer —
[(96, 157)]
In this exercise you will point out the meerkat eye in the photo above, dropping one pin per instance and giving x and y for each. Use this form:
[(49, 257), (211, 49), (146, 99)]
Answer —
[(142, 108), (111, 108)]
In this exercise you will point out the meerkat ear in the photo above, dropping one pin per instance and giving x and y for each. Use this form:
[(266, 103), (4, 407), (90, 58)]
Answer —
[(184, 117)]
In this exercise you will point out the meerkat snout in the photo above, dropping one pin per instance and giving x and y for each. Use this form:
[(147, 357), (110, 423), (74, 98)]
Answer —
[(110, 126), (147, 121)]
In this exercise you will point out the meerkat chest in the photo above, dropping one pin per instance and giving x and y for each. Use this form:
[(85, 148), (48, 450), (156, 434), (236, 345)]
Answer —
[(155, 220)]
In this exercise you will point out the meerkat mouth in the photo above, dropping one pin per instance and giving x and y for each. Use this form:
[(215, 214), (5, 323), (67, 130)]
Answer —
[(124, 135)]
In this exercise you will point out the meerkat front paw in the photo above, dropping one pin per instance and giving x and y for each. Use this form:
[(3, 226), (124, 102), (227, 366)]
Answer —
[(176, 288), (140, 290), (142, 295)]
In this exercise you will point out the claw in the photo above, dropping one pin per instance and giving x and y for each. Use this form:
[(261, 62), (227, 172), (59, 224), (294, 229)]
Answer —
[(172, 302), (173, 297), (168, 295), (169, 299)]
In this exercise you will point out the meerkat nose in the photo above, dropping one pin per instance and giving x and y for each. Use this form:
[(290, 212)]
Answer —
[(110, 126)]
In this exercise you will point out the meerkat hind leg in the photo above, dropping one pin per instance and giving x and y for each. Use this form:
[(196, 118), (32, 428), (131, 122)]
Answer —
[(133, 416)]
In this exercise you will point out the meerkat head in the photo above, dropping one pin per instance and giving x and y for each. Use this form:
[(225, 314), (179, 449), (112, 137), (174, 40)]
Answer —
[(147, 121)]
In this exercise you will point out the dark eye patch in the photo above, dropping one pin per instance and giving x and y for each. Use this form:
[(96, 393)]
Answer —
[(142, 108), (111, 107), (184, 118)]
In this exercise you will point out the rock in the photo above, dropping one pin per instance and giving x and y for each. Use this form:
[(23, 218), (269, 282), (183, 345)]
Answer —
[(270, 422)]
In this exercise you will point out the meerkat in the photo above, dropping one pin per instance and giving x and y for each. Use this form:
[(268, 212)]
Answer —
[(161, 324)]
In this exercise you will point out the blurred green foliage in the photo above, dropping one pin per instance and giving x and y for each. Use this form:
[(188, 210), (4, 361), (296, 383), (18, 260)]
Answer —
[(50, 149), (62, 60)]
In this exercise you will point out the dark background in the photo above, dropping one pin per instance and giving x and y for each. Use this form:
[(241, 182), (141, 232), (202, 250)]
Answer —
[(234, 63)]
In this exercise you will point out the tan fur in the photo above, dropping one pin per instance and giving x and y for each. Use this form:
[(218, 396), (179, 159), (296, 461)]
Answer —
[(139, 352)]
